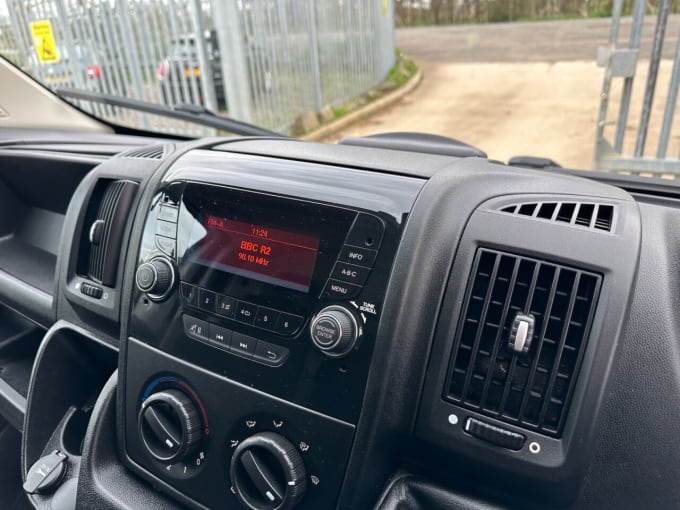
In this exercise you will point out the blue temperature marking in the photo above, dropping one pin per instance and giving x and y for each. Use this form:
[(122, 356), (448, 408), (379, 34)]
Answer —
[(155, 383)]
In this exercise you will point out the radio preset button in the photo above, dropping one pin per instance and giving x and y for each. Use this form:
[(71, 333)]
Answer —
[(358, 256), (266, 318), (168, 213), (366, 232), (335, 289), (189, 294), (243, 345), (350, 273), (245, 312), (206, 300), (225, 305), (166, 229), (271, 354), (220, 337), (196, 328), (288, 324), (166, 245)]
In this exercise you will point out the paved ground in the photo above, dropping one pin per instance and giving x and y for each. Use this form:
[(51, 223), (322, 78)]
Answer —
[(549, 41), (511, 89)]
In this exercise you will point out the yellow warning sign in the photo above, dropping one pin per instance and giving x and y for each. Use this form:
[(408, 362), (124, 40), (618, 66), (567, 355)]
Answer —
[(43, 40), (385, 6)]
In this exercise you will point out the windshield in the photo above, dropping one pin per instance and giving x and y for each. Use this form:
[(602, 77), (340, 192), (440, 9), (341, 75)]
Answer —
[(512, 78)]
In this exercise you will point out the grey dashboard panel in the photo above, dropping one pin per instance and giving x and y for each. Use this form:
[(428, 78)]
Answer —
[(626, 456)]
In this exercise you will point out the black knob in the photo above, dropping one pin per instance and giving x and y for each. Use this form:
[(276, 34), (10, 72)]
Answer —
[(156, 278), (334, 331), (267, 473), (169, 425)]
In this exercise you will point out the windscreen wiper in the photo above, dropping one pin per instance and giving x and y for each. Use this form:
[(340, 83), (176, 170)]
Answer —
[(189, 113)]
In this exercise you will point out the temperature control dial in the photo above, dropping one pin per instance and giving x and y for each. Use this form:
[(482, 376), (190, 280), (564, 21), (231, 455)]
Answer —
[(268, 473), (156, 278), (334, 331), (169, 426)]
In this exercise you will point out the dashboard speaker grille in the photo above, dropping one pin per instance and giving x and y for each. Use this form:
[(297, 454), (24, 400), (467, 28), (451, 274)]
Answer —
[(582, 214), (533, 389)]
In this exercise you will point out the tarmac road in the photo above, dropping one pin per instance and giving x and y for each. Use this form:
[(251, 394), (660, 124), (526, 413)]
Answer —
[(549, 41)]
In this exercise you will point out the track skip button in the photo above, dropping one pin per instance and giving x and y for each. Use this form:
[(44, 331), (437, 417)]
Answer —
[(220, 337)]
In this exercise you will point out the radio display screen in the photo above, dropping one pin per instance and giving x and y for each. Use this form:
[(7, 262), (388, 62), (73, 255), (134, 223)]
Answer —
[(273, 250), (272, 255)]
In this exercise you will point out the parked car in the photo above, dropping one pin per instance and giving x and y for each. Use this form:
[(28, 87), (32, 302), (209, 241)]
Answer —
[(98, 70), (179, 74)]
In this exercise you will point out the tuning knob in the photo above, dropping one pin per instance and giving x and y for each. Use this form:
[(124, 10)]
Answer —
[(268, 473), (169, 426), (156, 278), (334, 331)]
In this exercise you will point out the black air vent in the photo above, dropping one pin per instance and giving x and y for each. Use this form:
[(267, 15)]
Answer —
[(529, 390), (104, 230), (153, 152), (583, 214)]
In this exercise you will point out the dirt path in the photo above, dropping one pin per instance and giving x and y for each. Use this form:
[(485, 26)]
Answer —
[(509, 109)]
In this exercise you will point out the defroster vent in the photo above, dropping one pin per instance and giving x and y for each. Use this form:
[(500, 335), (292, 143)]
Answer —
[(531, 389), (579, 214)]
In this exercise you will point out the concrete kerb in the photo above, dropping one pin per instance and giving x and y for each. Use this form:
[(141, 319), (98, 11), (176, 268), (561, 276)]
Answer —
[(335, 127)]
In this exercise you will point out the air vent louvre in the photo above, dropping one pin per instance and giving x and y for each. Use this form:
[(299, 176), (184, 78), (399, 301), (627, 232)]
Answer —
[(581, 214), (105, 221), (105, 213), (533, 390), (153, 152)]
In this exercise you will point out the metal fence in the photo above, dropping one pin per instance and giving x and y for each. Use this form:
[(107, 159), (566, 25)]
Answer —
[(654, 147), (261, 61)]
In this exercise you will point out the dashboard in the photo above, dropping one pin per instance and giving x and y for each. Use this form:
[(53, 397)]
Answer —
[(272, 324)]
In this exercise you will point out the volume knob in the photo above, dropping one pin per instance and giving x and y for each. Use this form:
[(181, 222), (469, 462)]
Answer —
[(334, 331), (156, 278)]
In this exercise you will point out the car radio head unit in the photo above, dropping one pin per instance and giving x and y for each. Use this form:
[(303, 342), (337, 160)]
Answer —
[(279, 292), (271, 251)]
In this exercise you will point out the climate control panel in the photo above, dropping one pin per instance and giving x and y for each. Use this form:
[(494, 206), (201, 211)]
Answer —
[(227, 446)]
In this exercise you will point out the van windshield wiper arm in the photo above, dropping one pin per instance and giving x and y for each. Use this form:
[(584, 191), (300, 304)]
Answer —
[(197, 115)]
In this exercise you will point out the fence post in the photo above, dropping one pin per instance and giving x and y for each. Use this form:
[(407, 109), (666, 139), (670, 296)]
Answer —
[(606, 84), (69, 43), (657, 46), (235, 75), (314, 54), (207, 78)]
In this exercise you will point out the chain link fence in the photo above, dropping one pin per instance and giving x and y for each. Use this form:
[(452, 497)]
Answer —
[(261, 61)]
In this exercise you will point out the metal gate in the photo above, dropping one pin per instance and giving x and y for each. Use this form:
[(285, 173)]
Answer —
[(261, 61), (652, 143)]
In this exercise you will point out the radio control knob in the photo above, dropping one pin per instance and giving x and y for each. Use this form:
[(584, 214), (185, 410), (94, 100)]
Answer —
[(334, 331), (156, 278)]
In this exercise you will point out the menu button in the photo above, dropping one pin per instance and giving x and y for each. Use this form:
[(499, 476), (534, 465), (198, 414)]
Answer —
[(336, 289)]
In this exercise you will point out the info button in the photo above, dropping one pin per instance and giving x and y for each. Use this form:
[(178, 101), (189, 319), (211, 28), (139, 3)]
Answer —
[(358, 256)]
